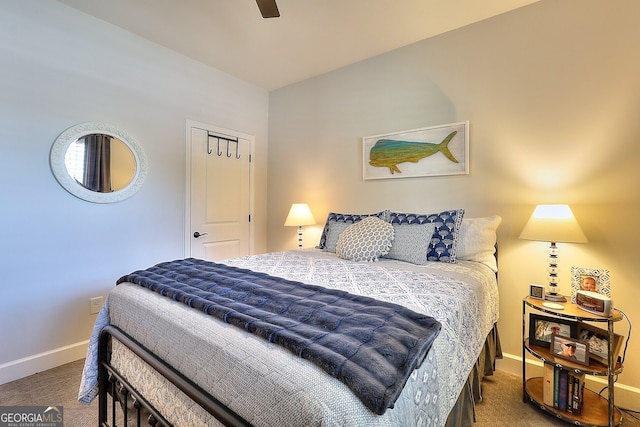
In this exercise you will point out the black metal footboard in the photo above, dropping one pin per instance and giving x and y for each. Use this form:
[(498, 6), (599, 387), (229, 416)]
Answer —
[(121, 404)]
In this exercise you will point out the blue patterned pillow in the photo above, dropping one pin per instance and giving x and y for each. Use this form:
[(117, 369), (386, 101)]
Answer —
[(445, 236), (336, 224)]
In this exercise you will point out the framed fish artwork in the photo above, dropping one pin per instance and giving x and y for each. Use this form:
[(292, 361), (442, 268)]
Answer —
[(430, 151)]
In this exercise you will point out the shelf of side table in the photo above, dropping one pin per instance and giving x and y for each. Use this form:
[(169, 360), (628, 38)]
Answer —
[(598, 411)]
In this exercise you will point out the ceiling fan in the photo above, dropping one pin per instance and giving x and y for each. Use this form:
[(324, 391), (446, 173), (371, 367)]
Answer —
[(268, 8)]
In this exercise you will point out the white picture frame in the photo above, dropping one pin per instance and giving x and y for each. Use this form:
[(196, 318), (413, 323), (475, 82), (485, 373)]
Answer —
[(430, 151), (590, 279)]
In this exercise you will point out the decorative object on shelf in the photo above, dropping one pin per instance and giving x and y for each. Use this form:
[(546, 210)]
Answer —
[(571, 349), (589, 279), (594, 302), (553, 305), (553, 223), (543, 328), (599, 342), (430, 151), (299, 216), (536, 291)]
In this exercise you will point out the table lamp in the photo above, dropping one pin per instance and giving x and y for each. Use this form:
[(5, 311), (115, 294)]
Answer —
[(299, 215), (553, 223)]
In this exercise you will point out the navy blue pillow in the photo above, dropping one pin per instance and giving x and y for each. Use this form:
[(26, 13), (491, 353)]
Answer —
[(334, 218), (444, 241)]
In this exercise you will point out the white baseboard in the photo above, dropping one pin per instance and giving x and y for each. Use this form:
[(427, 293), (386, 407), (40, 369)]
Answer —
[(625, 396), (30, 365)]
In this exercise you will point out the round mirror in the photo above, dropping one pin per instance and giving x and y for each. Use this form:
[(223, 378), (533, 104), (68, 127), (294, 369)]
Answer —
[(98, 163)]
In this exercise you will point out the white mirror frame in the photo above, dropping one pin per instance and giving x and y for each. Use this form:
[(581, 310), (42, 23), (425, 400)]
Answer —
[(59, 169)]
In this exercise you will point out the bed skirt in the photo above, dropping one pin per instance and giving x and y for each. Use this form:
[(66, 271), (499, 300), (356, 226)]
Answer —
[(463, 413)]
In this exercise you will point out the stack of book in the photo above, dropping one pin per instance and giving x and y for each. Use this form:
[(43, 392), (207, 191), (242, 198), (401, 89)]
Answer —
[(563, 389)]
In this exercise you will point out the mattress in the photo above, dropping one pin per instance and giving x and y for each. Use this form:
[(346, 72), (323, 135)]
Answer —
[(269, 386)]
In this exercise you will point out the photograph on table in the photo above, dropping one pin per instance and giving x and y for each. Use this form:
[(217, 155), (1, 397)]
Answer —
[(598, 340), (543, 328), (590, 279), (570, 349)]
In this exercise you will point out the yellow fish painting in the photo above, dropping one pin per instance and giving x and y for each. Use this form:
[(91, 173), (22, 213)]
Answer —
[(389, 152)]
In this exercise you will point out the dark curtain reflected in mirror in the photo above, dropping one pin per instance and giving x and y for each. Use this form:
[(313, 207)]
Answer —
[(100, 163), (97, 162)]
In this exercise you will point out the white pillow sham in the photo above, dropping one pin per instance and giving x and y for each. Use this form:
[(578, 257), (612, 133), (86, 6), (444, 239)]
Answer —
[(477, 240)]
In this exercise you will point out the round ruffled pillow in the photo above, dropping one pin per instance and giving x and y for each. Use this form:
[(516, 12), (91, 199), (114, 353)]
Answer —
[(366, 240)]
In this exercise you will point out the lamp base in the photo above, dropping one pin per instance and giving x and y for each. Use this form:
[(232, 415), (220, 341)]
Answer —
[(555, 297)]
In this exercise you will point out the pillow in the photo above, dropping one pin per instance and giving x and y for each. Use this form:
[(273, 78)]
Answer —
[(366, 240), (337, 222), (411, 242), (445, 236), (334, 231), (477, 240)]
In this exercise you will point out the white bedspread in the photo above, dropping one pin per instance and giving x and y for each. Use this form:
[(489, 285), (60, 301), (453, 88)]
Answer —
[(275, 388)]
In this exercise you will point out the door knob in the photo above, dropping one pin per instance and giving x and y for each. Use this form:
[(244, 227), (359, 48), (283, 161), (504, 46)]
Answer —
[(197, 234)]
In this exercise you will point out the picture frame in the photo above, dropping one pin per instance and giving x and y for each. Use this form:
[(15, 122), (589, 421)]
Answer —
[(570, 349), (543, 328), (536, 291), (429, 151), (590, 279), (598, 340)]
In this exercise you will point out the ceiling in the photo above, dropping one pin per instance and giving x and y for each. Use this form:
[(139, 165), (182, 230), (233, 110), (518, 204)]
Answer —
[(309, 38)]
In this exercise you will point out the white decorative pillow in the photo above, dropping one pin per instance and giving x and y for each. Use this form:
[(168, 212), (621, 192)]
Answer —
[(366, 240), (477, 240), (411, 242)]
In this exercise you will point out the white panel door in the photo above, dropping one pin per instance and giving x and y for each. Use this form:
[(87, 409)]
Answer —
[(219, 193)]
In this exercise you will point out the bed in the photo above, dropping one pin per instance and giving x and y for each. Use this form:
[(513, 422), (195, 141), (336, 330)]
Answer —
[(176, 365)]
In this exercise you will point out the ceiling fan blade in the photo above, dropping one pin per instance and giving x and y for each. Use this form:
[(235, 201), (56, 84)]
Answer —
[(268, 8)]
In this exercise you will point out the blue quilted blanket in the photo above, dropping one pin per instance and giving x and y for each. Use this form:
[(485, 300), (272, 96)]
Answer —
[(369, 345)]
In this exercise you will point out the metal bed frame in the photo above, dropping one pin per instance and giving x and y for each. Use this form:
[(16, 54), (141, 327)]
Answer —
[(121, 405), (118, 400)]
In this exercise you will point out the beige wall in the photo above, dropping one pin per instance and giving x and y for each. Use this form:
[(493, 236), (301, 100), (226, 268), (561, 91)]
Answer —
[(552, 93)]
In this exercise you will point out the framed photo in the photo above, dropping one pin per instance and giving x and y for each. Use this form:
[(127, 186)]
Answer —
[(598, 340), (543, 328), (589, 279), (571, 349), (536, 291), (430, 151)]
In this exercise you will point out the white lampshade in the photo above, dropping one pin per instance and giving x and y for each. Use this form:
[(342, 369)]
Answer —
[(299, 215), (553, 223)]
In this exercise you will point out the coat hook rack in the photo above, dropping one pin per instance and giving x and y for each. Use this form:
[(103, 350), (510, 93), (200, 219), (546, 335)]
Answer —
[(224, 138)]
